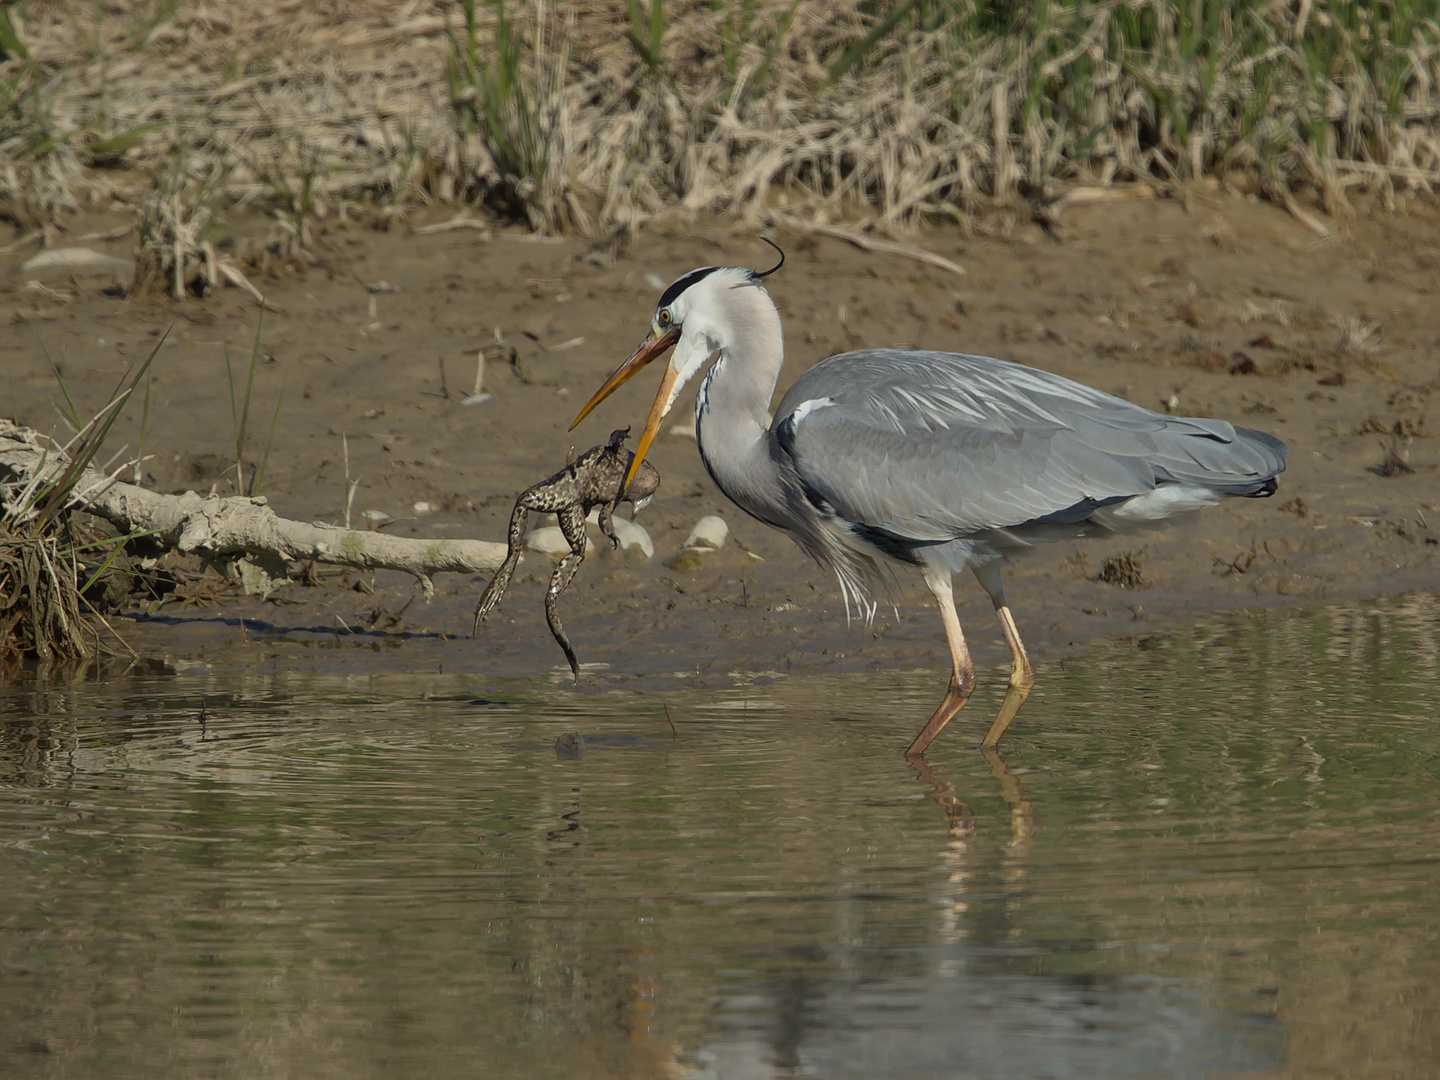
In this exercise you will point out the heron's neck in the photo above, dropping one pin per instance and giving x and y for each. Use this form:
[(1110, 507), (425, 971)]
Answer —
[(732, 407)]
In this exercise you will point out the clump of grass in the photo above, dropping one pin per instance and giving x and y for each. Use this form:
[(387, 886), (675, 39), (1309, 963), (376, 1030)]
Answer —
[(45, 562), (178, 230), (1395, 457), (294, 174), (47, 137), (506, 91), (1124, 571)]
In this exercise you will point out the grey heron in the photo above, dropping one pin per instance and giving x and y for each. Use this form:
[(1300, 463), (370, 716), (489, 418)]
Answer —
[(936, 460)]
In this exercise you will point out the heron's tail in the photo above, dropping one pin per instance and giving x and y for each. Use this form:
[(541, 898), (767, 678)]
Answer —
[(1274, 451), (1211, 454)]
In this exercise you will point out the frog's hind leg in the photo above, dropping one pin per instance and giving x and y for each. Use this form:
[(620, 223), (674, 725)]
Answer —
[(572, 524), (491, 596), (558, 581)]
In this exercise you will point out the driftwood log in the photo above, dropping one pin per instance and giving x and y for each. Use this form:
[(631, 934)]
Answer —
[(235, 527)]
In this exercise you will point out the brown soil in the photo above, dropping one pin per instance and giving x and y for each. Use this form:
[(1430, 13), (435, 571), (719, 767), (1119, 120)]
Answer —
[(1213, 304)]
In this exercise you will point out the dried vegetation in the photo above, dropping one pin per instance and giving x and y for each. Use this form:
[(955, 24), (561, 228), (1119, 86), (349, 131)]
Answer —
[(815, 108), (48, 564), (1125, 570)]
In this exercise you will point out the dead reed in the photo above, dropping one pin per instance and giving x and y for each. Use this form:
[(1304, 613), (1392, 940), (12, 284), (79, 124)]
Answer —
[(606, 113)]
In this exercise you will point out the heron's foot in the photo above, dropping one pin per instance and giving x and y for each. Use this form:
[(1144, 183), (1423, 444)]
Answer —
[(955, 698)]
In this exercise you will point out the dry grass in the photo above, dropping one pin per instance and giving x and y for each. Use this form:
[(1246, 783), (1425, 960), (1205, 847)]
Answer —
[(822, 108), (1395, 457), (177, 232), (47, 566), (39, 601)]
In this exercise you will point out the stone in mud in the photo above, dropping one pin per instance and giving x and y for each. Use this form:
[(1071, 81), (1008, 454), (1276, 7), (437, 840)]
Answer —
[(709, 534)]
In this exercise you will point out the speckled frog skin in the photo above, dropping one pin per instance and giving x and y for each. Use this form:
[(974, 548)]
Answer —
[(594, 479)]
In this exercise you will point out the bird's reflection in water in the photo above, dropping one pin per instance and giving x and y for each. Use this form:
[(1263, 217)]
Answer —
[(954, 1003), (960, 834)]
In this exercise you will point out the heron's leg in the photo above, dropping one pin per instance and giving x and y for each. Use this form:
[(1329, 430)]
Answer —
[(491, 596), (1022, 675), (962, 677)]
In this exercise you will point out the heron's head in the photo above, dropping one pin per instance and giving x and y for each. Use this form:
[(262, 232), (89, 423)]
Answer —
[(698, 314)]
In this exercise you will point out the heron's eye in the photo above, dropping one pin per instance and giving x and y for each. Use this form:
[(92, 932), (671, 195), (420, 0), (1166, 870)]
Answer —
[(664, 317)]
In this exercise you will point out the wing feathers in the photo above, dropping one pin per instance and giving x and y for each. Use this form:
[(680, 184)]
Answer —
[(934, 446)]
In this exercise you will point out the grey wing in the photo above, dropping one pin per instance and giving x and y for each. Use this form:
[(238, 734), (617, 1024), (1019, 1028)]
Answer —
[(932, 446)]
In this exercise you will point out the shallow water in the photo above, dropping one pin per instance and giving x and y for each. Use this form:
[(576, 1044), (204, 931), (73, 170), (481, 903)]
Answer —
[(1202, 854)]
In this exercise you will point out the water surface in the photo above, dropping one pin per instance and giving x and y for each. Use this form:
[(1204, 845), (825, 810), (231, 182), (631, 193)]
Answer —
[(1202, 854)]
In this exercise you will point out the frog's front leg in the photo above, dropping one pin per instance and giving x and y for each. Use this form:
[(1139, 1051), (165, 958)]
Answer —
[(607, 521)]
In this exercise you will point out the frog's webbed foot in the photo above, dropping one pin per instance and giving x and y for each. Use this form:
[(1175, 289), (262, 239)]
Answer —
[(491, 596)]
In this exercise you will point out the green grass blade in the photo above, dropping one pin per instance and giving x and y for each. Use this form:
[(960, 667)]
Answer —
[(10, 43), (97, 431), (72, 414), (269, 440), (857, 51)]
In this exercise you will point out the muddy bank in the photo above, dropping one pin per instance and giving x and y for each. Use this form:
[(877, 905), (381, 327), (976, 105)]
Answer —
[(1208, 305)]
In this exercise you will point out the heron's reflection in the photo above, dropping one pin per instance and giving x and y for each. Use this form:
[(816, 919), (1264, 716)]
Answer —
[(959, 815), (956, 856)]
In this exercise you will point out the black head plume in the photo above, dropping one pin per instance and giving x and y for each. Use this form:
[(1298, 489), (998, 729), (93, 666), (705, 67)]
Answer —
[(777, 266)]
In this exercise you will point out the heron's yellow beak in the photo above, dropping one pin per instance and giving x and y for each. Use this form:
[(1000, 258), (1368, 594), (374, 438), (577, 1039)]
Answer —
[(655, 345)]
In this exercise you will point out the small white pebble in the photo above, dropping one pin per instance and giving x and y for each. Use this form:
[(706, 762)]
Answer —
[(655, 281), (423, 508), (551, 541), (631, 536), (709, 534), (74, 259), (476, 399), (375, 517)]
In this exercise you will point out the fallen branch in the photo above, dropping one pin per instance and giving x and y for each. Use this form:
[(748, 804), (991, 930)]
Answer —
[(218, 527)]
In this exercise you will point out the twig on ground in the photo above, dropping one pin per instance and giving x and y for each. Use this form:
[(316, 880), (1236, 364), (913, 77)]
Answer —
[(460, 221)]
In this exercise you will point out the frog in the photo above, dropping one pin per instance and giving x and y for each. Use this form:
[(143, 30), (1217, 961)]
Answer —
[(594, 479)]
